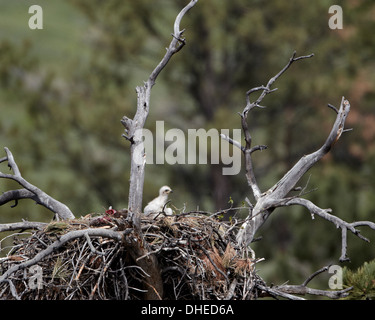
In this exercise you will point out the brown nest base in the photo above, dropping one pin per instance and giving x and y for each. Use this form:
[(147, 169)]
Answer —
[(195, 257)]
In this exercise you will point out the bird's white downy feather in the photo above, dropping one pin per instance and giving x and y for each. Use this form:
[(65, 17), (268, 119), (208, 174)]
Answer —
[(156, 206)]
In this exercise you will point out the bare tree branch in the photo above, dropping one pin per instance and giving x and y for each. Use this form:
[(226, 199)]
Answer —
[(287, 183), (278, 293), (233, 142), (267, 89), (275, 196), (176, 44), (31, 191), (248, 150), (303, 290), (15, 195), (292, 292), (24, 225), (339, 223)]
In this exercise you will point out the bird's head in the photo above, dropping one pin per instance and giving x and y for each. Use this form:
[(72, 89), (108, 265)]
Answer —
[(165, 190)]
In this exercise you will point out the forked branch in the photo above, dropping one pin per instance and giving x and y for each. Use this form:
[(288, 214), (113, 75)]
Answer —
[(267, 89), (339, 223), (247, 149), (30, 191), (288, 182), (276, 196)]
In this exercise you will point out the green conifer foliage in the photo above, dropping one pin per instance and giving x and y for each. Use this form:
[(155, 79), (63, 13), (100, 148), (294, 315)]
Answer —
[(362, 280)]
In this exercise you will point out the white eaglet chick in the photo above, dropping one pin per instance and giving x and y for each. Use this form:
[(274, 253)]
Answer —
[(156, 206)]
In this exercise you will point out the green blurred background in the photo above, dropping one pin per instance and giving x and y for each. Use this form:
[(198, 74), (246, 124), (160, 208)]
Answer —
[(64, 89)]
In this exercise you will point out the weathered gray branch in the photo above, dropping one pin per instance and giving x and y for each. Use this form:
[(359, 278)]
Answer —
[(15, 195), (274, 197), (289, 292), (30, 191), (24, 225), (248, 150), (267, 89), (133, 127), (339, 223), (287, 183), (292, 292)]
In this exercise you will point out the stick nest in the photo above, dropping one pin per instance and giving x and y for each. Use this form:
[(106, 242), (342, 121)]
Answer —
[(195, 253)]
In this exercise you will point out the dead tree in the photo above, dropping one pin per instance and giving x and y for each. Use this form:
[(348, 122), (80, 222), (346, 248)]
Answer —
[(195, 253), (279, 194)]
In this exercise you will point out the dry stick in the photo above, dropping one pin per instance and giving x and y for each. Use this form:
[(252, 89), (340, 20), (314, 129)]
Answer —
[(274, 292), (93, 250), (288, 182), (232, 287), (103, 272), (302, 290), (213, 263), (324, 269), (80, 271), (125, 279), (15, 195), (12, 289)]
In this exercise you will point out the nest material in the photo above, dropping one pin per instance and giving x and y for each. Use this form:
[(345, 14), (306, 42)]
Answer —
[(196, 257)]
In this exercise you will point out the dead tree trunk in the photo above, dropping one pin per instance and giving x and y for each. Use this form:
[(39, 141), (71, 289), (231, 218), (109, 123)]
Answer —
[(133, 127), (133, 133)]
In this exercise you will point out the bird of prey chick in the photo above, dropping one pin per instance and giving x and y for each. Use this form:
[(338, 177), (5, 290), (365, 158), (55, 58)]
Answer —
[(156, 206)]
